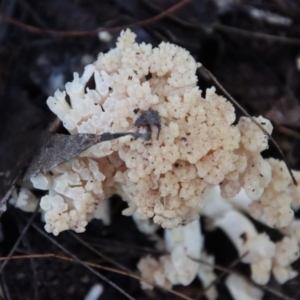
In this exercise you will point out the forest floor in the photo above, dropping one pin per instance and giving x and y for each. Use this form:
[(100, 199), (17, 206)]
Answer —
[(251, 46)]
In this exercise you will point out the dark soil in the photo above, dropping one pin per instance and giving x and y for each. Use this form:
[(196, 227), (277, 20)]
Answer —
[(259, 71)]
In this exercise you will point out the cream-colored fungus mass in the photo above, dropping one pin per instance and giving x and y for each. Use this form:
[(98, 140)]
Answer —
[(162, 178), (192, 159)]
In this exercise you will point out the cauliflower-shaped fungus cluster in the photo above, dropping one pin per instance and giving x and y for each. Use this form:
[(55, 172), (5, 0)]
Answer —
[(194, 146)]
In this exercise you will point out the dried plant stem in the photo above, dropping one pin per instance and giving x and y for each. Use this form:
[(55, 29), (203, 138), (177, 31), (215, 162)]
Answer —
[(75, 258), (256, 35), (233, 264), (229, 29), (29, 222), (100, 254), (90, 264), (57, 33), (231, 271)]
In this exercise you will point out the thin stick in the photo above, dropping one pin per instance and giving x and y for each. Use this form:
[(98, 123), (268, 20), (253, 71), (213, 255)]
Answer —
[(214, 266), (5, 291), (11, 252), (229, 29), (230, 271), (218, 84), (125, 273), (97, 252), (57, 33), (233, 264), (32, 261), (275, 292), (75, 258), (289, 132), (225, 270), (256, 35), (116, 246)]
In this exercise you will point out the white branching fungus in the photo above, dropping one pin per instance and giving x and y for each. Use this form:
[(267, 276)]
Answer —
[(183, 243), (163, 178), (24, 200), (95, 292), (263, 255), (145, 226), (76, 194), (240, 288), (194, 156), (181, 265), (254, 248)]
